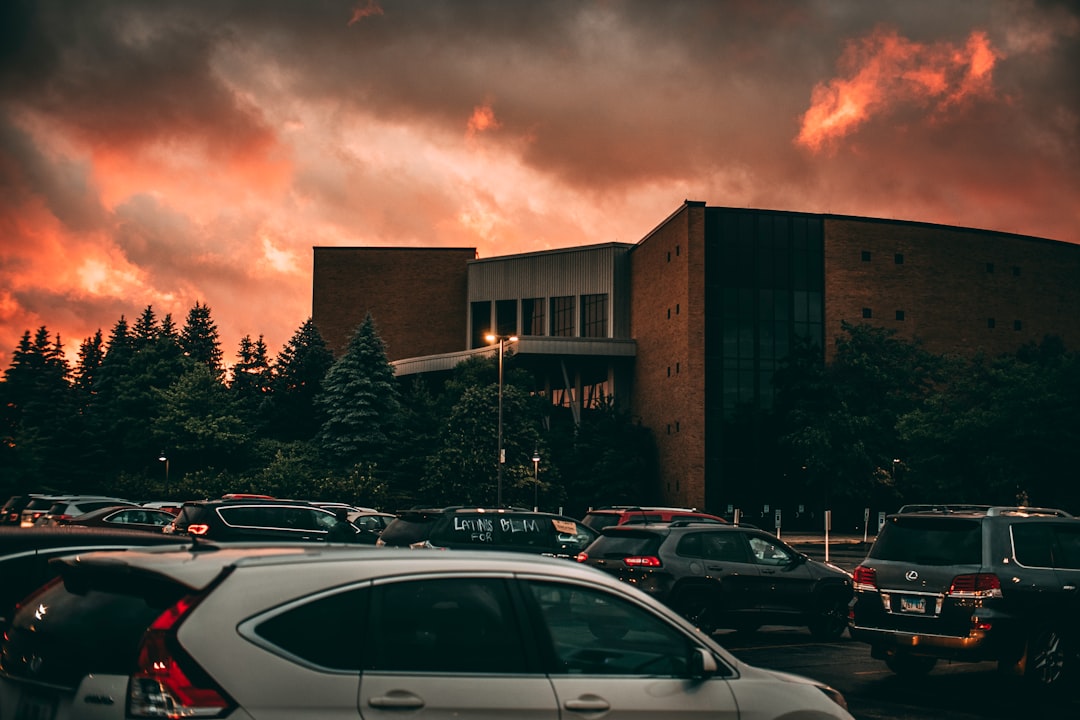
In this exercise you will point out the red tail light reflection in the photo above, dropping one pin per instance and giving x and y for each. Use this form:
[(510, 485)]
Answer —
[(642, 561)]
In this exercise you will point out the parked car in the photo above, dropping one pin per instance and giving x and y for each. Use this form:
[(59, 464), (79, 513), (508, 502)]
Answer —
[(513, 529), (76, 505), (25, 554), (170, 506), (260, 519), (37, 507), (372, 521), (11, 513), (303, 632), (726, 576), (132, 517), (602, 517), (974, 583)]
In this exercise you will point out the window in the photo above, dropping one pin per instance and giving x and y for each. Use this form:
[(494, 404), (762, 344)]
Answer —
[(506, 317), (990, 323), (595, 633), (900, 315), (327, 632), (866, 256), (989, 267), (446, 625), (1016, 271), (532, 316), (480, 315), (1018, 325), (594, 315), (899, 258), (867, 313), (562, 316)]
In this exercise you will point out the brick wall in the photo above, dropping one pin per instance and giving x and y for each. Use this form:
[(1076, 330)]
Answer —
[(667, 320), (417, 297), (944, 288)]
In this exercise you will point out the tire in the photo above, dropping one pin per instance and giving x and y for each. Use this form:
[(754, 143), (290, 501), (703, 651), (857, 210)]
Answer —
[(1047, 662), (910, 666), (830, 622), (695, 605)]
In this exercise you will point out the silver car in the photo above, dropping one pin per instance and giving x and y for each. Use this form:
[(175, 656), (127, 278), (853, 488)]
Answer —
[(295, 632)]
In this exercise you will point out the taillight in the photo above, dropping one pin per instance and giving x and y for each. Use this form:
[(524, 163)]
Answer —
[(976, 585), (61, 519), (642, 561), (167, 683), (198, 529), (865, 578), (582, 557)]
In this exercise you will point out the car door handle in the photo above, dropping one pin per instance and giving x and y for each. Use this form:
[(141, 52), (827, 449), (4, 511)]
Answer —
[(588, 703), (768, 571), (397, 700)]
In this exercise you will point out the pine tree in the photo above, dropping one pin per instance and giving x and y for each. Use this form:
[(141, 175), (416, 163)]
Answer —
[(299, 371), (91, 354), (146, 328), (361, 402), (251, 376), (199, 339)]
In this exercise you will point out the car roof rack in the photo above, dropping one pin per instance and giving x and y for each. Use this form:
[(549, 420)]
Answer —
[(943, 508), (1022, 510)]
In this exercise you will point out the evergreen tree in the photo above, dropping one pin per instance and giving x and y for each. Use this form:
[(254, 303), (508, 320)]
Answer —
[(299, 371), (91, 355), (199, 339), (146, 329), (251, 376), (360, 399)]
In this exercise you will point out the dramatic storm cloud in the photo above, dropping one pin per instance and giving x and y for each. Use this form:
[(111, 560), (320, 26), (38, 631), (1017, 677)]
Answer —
[(171, 152)]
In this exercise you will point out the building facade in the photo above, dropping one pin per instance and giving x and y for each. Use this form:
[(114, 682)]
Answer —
[(691, 322)]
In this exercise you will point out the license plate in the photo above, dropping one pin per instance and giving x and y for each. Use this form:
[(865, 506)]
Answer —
[(913, 604), (31, 707)]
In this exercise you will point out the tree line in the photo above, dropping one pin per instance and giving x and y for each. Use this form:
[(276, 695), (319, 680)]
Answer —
[(153, 411)]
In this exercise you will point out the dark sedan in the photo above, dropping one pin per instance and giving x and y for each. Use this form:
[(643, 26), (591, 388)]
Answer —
[(123, 516)]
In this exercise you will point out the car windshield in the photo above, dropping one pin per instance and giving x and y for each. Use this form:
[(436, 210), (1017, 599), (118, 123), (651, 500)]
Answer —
[(599, 521), (930, 541)]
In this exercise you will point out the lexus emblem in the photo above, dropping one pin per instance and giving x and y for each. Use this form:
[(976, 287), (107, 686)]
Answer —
[(912, 575)]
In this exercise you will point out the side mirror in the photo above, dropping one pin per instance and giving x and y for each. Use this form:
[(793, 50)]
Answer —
[(702, 664)]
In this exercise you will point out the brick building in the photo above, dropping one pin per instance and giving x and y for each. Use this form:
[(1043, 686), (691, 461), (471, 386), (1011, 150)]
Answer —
[(693, 319)]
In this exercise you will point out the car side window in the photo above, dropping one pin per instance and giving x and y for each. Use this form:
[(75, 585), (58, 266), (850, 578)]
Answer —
[(327, 632), (726, 547), (767, 552), (596, 633), (447, 625)]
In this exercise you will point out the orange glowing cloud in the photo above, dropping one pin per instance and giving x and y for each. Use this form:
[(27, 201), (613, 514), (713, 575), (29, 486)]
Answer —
[(884, 71), (367, 10), (482, 118)]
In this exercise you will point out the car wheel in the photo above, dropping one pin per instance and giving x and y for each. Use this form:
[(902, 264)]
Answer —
[(694, 605), (1047, 659), (831, 622), (908, 665)]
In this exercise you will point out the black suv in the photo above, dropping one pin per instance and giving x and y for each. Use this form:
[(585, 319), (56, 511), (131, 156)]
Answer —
[(253, 519), (726, 576), (973, 583), (514, 529)]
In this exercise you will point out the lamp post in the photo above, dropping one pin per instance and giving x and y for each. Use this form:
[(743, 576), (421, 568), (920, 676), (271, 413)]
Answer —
[(163, 458), (502, 339), (536, 480)]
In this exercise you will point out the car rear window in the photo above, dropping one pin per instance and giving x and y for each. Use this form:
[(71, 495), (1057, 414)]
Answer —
[(930, 541), (93, 625), (599, 521), (408, 529), (502, 529), (625, 544)]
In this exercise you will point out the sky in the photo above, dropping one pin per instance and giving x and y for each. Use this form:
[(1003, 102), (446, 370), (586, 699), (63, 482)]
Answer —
[(175, 152)]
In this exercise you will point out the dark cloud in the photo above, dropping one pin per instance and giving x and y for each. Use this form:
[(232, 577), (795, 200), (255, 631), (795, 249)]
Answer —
[(172, 151)]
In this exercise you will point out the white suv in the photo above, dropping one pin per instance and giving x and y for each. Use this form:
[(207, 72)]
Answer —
[(334, 631)]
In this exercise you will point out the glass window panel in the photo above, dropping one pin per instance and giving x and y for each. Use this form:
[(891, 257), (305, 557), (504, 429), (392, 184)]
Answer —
[(594, 314), (562, 316), (506, 317)]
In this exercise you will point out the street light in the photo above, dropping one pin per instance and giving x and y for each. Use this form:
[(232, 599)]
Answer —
[(536, 479), (164, 459), (502, 339)]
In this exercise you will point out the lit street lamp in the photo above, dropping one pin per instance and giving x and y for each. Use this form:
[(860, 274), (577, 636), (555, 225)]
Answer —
[(503, 339), (536, 479), (164, 459)]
